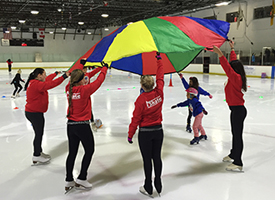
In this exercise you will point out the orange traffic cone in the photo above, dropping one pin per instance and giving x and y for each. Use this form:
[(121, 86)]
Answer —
[(170, 82)]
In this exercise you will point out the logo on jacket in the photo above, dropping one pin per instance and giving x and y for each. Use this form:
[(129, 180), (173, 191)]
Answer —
[(153, 102)]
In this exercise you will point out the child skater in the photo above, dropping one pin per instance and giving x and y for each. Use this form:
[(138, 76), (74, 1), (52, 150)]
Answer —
[(87, 77), (147, 115), (37, 87), (234, 88), (193, 82), (78, 125), (197, 111), (16, 81)]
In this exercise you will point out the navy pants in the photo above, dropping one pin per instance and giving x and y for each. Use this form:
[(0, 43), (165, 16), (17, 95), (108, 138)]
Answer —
[(38, 122), (79, 133), (150, 144), (237, 117)]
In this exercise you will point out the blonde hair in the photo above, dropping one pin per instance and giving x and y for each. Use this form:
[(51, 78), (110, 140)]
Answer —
[(19, 71), (147, 82), (75, 76)]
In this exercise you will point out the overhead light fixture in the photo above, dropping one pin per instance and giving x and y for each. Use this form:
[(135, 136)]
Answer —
[(51, 32), (89, 33), (59, 10), (63, 28), (106, 29), (34, 12), (80, 23), (13, 27), (21, 21), (223, 3), (105, 15)]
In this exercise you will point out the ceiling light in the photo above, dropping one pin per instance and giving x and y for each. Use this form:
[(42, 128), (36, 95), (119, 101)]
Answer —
[(51, 32), (223, 3), (34, 12), (80, 23), (89, 33), (106, 29), (22, 21), (59, 9), (105, 15), (63, 29), (13, 27)]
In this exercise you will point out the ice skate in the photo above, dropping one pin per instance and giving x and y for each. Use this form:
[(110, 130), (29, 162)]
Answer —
[(13, 96), (82, 185), (227, 159), (45, 155), (203, 137), (234, 168), (195, 140), (188, 128), (17, 95), (69, 186), (39, 160), (94, 126), (143, 191)]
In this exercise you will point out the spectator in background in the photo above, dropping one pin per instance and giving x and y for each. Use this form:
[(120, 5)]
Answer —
[(9, 64)]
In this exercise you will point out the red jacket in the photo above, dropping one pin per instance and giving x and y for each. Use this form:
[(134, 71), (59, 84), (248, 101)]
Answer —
[(37, 94), (9, 62), (148, 105), (81, 100), (233, 87)]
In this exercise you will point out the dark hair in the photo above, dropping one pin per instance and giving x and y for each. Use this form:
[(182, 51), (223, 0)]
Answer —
[(33, 75), (76, 76), (239, 69), (195, 82), (9, 60)]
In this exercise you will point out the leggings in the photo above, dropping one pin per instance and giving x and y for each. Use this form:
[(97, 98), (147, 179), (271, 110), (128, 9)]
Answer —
[(237, 116), (150, 144), (79, 133), (16, 88), (38, 122), (197, 125), (189, 116)]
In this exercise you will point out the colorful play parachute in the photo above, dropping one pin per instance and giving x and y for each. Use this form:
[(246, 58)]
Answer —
[(179, 39)]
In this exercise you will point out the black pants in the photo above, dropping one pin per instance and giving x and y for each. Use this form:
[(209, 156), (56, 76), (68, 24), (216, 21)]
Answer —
[(189, 117), (9, 68), (237, 116), (150, 144), (79, 133), (16, 88), (38, 122)]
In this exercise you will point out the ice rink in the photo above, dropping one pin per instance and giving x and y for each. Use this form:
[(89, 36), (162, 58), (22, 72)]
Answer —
[(189, 172)]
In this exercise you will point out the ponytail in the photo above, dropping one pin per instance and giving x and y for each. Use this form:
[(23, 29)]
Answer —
[(70, 98), (33, 75)]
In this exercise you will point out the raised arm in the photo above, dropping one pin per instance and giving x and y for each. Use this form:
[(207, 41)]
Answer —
[(160, 73)]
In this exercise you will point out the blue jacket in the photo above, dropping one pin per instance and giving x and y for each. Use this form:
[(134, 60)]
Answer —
[(200, 90), (194, 105)]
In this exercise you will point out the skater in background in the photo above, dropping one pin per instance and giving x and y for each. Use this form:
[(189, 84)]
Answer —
[(37, 87), (193, 82), (147, 115), (9, 64), (197, 110), (234, 88), (78, 125), (87, 77), (16, 82)]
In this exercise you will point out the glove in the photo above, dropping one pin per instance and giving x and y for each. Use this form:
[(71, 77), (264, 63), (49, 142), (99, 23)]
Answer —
[(83, 61), (93, 67), (57, 72), (158, 56), (210, 96), (104, 64), (174, 106), (181, 76), (205, 112), (130, 140)]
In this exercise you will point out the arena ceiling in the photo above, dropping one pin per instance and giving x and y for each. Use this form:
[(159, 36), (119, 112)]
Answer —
[(67, 13)]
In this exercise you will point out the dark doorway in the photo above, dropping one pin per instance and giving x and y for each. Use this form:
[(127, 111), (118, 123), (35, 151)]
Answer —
[(206, 61)]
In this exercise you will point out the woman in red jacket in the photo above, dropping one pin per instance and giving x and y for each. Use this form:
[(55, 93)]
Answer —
[(234, 89), (147, 115), (78, 125), (37, 88)]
